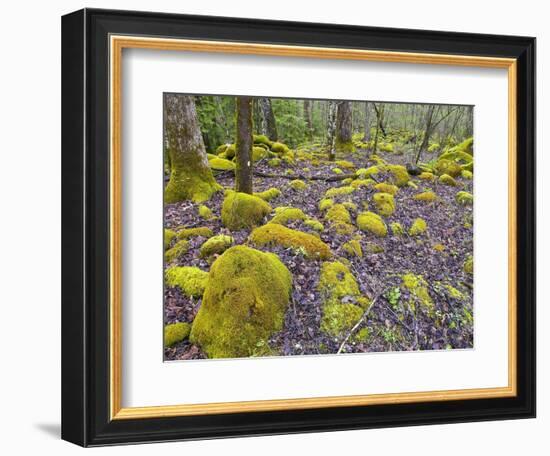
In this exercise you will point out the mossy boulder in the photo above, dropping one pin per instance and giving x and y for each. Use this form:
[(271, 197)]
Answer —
[(176, 332), (364, 173), (446, 166), (338, 214), (169, 235), (283, 215), (425, 175), (275, 234), (446, 179), (384, 187), (187, 233), (268, 195), (465, 198), (262, 139), (298, 185), (339, 191), (397, 229), (274, 162), (358, 183), (325, 204), (230, 151), (241, 210), (427, 197), (467, 174), (353, 248), (315, 225), (418, 227), (344, 164), (189, 279), (337, 171), (388, 147), (258, 153), (221, 164), (339, 319), (180, 248), (244, 303), (205, 212), (372, 223), (216, 245), (384, 203), (280, 148), (399, 175)]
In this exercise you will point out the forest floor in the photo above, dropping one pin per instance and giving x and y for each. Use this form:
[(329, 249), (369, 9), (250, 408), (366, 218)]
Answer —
[(438, 257)]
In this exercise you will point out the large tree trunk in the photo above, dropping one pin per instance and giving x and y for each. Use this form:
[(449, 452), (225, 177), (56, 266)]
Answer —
[(243, 153), (331, 130), (190, 174), (379, 124), (307, 116), (343, 141), (269, 126), (366, 137)]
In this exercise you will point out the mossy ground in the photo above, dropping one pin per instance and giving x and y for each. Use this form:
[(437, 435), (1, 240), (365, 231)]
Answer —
[(378, 263)]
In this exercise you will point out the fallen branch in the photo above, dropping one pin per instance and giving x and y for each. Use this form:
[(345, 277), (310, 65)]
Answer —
[(337, 177)]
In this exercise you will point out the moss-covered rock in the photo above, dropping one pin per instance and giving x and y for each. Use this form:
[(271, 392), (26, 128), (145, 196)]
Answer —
[(339, 191), (336, 282), (275, 234), (325, 204), (338, 214), (397, 229), (427, 197), (298, 184), (283, 215), (262, 139), (353, 248), (418, 288), (179, 249), (244, 303), (350, 206), (388, 147), (424, 175), (274, 162), (384, 203), (446, 166), (268, 195), (205, 212), (337, 171), (469, 265), (339, 319), (384, 187), (364, 173), (169, 235), (187, 233), (230, 151), (241, 210), (216, 245), (344, 147), (344, 164), (418, 227), (399, 175), (445, 179), (372, 223), (315, 225), (221, 164), (358, 183), (176, 332), (189, 279), (258, 153), (280, 148), (465, 198), (467, 174)]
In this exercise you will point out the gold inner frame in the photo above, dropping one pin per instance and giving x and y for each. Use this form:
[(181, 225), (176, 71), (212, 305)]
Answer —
[(117, 44)]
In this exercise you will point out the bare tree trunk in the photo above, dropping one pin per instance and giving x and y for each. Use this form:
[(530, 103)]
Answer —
[(427, 133), (243, 152), (379, 120), (343, 141), (269, 126), (190, 174), (307, 116), (366, 137), (331, 130)]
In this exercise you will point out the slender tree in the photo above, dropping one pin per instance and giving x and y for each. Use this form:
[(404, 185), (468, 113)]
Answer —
[(190, 174), (243, 153), (379, 123), (366, 137), (269, 125), (308, 118), (343, 141), (331, 130)]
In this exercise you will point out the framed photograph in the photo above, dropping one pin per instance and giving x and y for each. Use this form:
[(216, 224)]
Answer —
[(279, 227)]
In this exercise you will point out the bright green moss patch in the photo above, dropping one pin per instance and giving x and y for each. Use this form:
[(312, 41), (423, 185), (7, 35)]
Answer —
[(344, 164), (205, 212), (283, 215), (337, 171), (353, 248), (384, 203), (221, 164), (467, 174), (434, 147), (445, 179), (449, 167), (339, 319), (343, 147), (179, 248), (268, 195), (399, 175), (274, 162), (216, 245), (418, 227), (418, 287), (176, 332), (363, 173), (469, 265), (168, 236), (397, 229), (241, 210), (358, 183), (427, 197), (314, 225), (465, 198), (262, 139), (384, 187), (244, 303), (275, 234), (325, 204), (350, 206), (372, 223), (258, 153), (298, 184), (424, 175), (187, 233), (189, 279), (339, 191), (338, 214), (280, 148), (337, 282)]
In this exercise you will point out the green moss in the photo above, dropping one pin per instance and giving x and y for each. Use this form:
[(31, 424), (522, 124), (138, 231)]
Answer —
[(179, 248), (274, 162), (262, 139), (453, 292), (338, 214), (230, 151), (243, 305), (467, 174), (446, 166), (439, 247), (241, 210), (268, 195), (428, 197), (344, 164), (350, 206), (336, 282), (283, 215), (221, 149), (434, 147), (187, 233), (384, 203), (363, 173), (373, 248), (400, 176), (418, 287), (205, 212), (211, 156), (337, 171), (386, 147), (358, 183), (344, 147), (280, 148), (298, 184), (363, 335), (176, 332), (445, 179), (216, 245), (189, 279), (314, 225), (325, 204), (465, 198), (275, 234), (338, 191), (258, 153), (353, 248), (426, 176), (221, 164), (384, 187), (373, 223), (168, 236), (418, 227), (469, 265), (412, 185), (190, 185), (339, 319), (397, 229), (347, 181)]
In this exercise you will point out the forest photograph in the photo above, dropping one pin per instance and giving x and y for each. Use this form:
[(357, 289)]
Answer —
[(316, 227)]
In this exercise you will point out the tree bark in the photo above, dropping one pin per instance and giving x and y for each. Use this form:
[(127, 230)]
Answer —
[(366, 137), (243, 152), (190, 174), (308, 118), (427, 133), (331, 130), (269, 126), (379, 120), (343, 142)]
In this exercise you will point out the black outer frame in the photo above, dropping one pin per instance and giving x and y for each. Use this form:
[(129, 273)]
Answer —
[(85, 227)]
